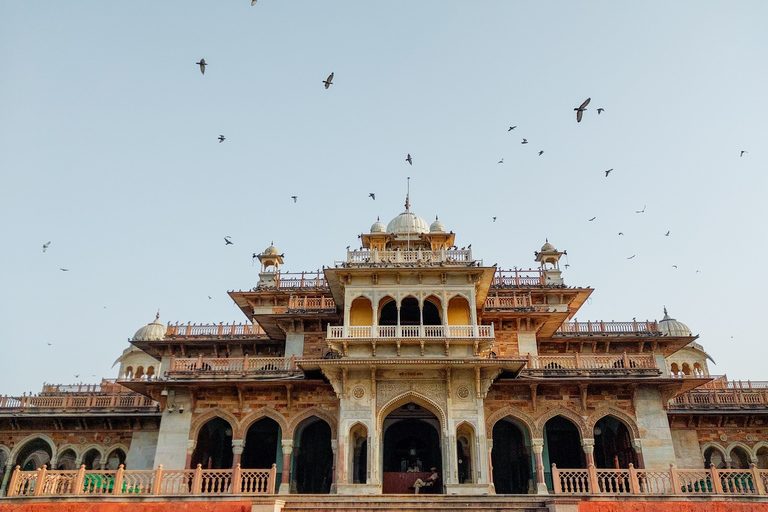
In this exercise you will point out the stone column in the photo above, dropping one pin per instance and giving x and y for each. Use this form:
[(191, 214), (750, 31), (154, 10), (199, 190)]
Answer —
[(6, 476), (190, 450), (285, 481), (238, 445), (538, 450), (637, 445), (589, 451), (489, 442), (335, 450)]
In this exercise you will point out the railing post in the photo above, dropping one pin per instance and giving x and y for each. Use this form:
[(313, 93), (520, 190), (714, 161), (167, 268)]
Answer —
[(626, 361), (756, 477), (556, 484), (157, 485), (272, 477), (634, 483), (40, 482), (199, 364), (594, 485), (197, 481), (237, 476), (12, 490), (674, 479), (117, 487), (80, 480), (578, 361), (717, 486), (530, 361)]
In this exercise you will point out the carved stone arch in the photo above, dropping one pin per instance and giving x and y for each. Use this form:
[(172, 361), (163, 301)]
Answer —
[(197, 423), (708, 445), (743, 446), (324, 415), (620, 415), (111, 449), (69, 446), (258, 414), (21, 444), (92, 446), (7, 451), (359, 423), (520, 416), (451, 295), (758, 446), (418, 398), (574, 417), (468, 424)]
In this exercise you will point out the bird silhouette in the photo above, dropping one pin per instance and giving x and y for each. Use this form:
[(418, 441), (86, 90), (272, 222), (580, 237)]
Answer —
[(742, 153), (512, 128), (45, 246), (600, 111), (78, 375), (580, 109), (253, 2), (541, 152), (49, 344), (641, 211), (631, 257), (294, 198), (621, 234), (328, 81), (202, 65), (372, 196), (209, 296), (221, 139), (666, 234), (227, 241), (501, 161), (409, 159), (525, 141), (674, 266), (608, 172), (64, 269), (593, 218), (494, 219)]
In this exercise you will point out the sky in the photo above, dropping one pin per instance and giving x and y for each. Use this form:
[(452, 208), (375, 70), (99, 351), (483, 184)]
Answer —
[(109, 151)]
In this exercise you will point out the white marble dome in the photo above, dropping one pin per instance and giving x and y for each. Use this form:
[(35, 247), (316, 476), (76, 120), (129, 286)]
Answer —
[(271, 251), (437, 226), (151, 332), (671, 327), (407, 223), (378, 227), (548, 247)]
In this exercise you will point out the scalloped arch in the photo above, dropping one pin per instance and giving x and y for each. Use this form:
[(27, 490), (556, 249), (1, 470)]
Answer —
[(759, 446), (116, 447), (92, 446), (314, 411), (259, 414), (707, 446), (520, 416), (743, 446), (565, 413), (21, 444), (411, 396), (618, 414), (197, 423)]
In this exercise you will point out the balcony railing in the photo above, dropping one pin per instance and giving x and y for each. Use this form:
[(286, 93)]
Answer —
[(738, 398), (303, 304), (410, 331), (82, 401), (600, 327), (591, 362), (513, 302), (232, 366), (410, 257), (95, 484), (710, 481), (220, 330), (515, 277), (294, 280)]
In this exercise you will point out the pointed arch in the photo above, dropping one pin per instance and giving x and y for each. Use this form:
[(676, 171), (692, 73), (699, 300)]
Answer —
[(466, 424), (746, 449), (263, 412), (620, 415), (21, 444), (417, 398), (359, 424), (207, 416), (715, 447), (516, 414), (69, 446), (290, 431), (568, 414), (758, 446)]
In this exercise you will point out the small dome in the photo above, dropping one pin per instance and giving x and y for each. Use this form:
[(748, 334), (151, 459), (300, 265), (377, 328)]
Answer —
[(271, 251), (407, 223), (437, 226), (548, 247), (378, 227), (671, 327), (151, 332)]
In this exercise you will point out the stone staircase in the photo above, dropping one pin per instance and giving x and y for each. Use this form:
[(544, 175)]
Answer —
[(411, 503)]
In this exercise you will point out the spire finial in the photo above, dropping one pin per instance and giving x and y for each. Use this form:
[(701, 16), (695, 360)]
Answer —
[(665, 311), (408, 196), (157, 316)]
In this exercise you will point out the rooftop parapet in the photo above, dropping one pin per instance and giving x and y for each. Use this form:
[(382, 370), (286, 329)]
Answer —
[(410, 257)]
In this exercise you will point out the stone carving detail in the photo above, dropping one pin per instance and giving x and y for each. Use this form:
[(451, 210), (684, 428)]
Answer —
[(358, 392), (462, 392), (390, 389)]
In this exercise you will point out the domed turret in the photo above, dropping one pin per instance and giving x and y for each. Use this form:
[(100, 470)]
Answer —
[(378, 227), (437, 226), (151, 332), (407, 223), (671, 327)]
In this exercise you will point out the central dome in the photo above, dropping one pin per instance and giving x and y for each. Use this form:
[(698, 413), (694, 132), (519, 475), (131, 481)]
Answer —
[(407, 223)]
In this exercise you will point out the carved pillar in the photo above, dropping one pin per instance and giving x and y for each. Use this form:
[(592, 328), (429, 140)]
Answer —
[(638, 446), (285, 481), (335, 450), (489, 442), (190, 450), (238, 445), (589, 451), (538, 450)]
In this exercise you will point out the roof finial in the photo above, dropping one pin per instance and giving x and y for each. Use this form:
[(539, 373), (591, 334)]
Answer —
[(408, 195), (665, 311), (157, 316)]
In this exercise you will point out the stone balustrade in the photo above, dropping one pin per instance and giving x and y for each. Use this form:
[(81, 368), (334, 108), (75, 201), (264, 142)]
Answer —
[(409, 331), (406, 257), (517, 278), (220, 330), (600, 327), (80, 401), (592, 363), (229, 366), (722, 398)]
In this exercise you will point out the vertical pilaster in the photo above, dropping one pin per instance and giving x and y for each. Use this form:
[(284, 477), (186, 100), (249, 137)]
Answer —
[(588, 445), (538, 450), (285, 481), (335, 450), (238, 445)]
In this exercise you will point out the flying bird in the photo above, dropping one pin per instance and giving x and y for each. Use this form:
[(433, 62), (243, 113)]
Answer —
[(372, 196), (64, 269), (621, 234), (49, 344), (409, 159), (666, 234), (222, 139), (525, 141), (294, 198), (494, 219), (78, 375), (328, 81), (608, 172), (593, 218), (600, 111), (641, 211), (580, 109), (253, 2), (227, 240), (501, 161), (674, 266), (202, 65), (631, 257), (742, 153), (512, 128), (45, 246), (541, 152), (209, 295)]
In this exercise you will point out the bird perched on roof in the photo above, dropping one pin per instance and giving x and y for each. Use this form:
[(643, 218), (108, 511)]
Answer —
[(525, 141), (45, 246), (580, 109), (294, 198), (372, 196), (512, 128), (221, 139), (409, 159), (600, 111), (608, 172), (328, 81), (227, 240), (202, 65)]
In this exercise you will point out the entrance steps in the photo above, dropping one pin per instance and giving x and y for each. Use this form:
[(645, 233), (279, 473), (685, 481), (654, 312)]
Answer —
[(411, 503)]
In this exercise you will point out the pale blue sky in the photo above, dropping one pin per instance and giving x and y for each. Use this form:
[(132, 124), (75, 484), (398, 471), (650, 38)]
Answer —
[(108, 149)]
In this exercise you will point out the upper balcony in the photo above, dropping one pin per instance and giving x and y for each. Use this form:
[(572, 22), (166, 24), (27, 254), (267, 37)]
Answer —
[(592, 365), (723, 395), (106, 397), (208, 331), (518, 278), (410, 331), (634, 328), (225, 368), (409, 258)]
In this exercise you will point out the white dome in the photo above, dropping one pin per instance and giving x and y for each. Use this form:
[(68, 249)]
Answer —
[(671, 327), (151, 332), (271, 251), (437, 226), (407, 223), (378, 227), (548, 247)]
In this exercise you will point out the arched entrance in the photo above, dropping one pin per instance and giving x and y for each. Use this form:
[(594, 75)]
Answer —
[(511, 458), (613, 444), (313, 457), (714, 455), (263, 447), (411, 442), (562, 446), (214, 445), (34, 455)]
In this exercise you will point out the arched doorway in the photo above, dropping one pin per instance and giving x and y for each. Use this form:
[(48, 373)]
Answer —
[(613, 444), (411, 442), (762, 457), (34, 455), (740, 459), (115, 458), (358, 451), (410, 314), (263, 446), (713, 455), (431, 311), (214, 445), (562, 446), (313, 457), (511, 458), (387, 311), (67, 460)]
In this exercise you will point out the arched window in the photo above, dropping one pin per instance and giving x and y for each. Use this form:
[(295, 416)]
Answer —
[(714, 456), (762, 457), (458, 311), (675, 369), (431, 311), (739, 458), (34, 455), (613, 444), (139, 373), (214, 445), (465, 436), (115, 458), (511, 458), (410, 314), (66, 460), (686, 369), (128, 373), (358, 451), (313, 456), (92, 459), (388, 311), (361, 312)]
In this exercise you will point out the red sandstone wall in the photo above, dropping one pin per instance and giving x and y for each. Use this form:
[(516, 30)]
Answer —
[(670, 506), (100, 506)]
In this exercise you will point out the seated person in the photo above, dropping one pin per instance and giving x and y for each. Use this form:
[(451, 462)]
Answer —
[(432, 481)]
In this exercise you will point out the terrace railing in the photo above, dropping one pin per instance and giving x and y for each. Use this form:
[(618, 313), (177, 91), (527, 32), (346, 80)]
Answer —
[(725, 398), (302, 303), (410, 257), (220, 330), (710, 481), (235, 366), (296, 280), (591, 362), (87, 483), (515, 278), (83, 401), (601, 327), (410, 331)]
